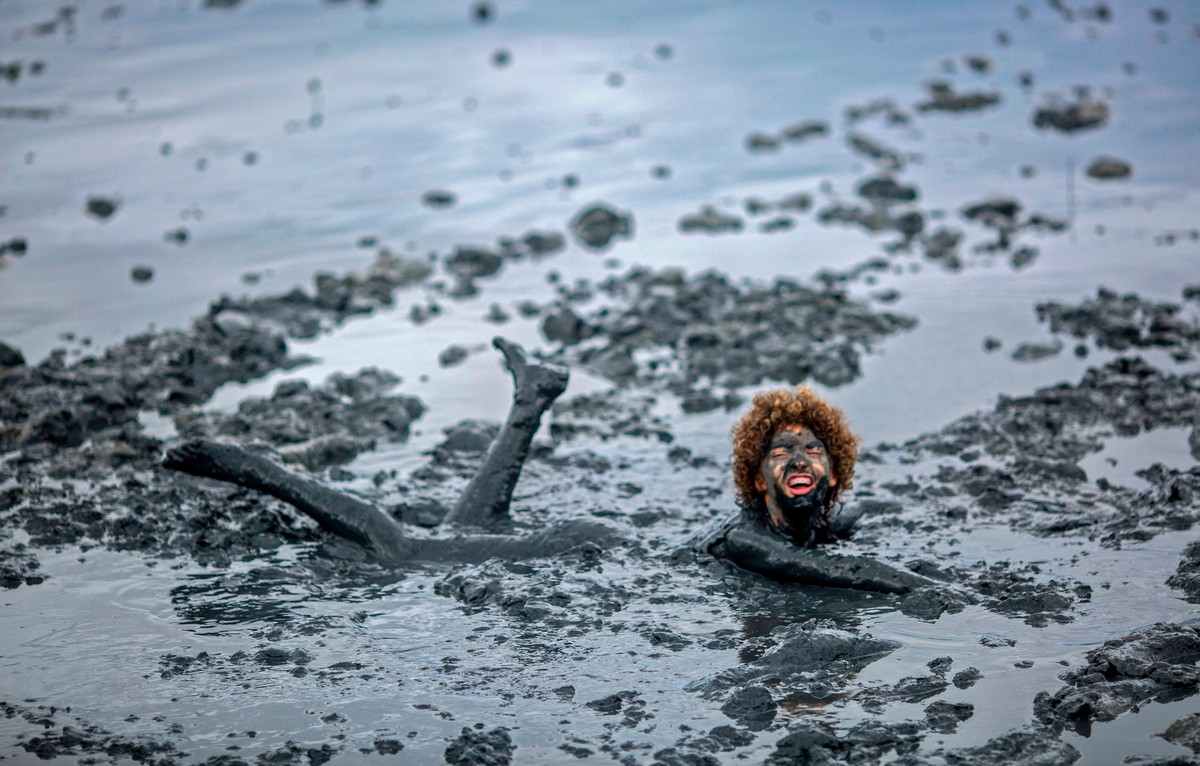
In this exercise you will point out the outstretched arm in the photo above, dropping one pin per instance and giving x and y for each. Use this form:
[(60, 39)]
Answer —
[(753, 548), (489, 493), (337, 512)]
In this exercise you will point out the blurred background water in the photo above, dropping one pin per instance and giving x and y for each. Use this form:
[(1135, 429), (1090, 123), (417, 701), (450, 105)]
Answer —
[(248, 145)]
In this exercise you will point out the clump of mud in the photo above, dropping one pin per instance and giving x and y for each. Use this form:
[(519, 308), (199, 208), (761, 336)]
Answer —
[(1122, 322), (1003, 215), (1187, 574), (944, 98), (316, 427), (1068, 116), (1019, 464), (692, 334), (598, 225), (1156, 663), (1109, 169)]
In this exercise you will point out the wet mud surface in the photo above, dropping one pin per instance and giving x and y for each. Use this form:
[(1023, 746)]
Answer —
[(1016, 466), (275, 642)]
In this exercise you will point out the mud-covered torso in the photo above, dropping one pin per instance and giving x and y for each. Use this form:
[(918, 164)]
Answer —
[(726, 540)]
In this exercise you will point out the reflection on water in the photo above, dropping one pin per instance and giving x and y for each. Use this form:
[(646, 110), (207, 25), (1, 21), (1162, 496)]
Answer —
[(1124, 457), (241, 147)]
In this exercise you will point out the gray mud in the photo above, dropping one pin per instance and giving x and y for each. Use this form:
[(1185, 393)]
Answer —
[(157, 618), (721, 336)]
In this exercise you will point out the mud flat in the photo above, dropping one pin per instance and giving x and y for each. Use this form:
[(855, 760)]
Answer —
[(1016, 466), (677, 259)]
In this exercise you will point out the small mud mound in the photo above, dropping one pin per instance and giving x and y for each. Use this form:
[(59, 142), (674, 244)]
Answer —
[(1003, 215), (1122, 322), (1187, 574), (595, 227), (1069, 116), (943, 98), (316, 427), (1157, 663), (1109, 169), (810, 661), (481, 748)]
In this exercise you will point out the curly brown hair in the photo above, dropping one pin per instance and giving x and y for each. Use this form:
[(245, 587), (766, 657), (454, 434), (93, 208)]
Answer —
[(772, 410)]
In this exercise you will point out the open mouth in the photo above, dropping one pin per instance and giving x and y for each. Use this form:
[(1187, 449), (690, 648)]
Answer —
[(799, 483)]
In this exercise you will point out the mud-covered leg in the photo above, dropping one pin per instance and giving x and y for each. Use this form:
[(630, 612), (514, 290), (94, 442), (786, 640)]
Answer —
[(337, 512), (554, 540), (537, 386)]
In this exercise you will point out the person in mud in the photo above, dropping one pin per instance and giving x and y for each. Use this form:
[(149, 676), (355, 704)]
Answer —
[(484, 502), (793, 456)]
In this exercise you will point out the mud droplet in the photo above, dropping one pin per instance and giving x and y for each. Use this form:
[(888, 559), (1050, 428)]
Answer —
[(482, 13), (1109, 169), (102, 207), (438, 199), (141, 274)]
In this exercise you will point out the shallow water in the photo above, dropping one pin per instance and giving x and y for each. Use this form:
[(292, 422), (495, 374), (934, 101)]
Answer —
[(279, 135)]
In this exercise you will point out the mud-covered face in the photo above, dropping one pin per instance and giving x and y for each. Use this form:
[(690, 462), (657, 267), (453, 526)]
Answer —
[(797, 476)]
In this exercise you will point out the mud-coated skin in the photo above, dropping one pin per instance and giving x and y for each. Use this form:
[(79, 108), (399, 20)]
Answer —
[(750, 543), (489, 493), (803, 514), (337, 512), (487, 496), (551, 541), (362, 523)]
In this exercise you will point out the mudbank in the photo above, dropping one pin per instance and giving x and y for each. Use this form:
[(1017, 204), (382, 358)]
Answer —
[(720, 333), (1019, 464)]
